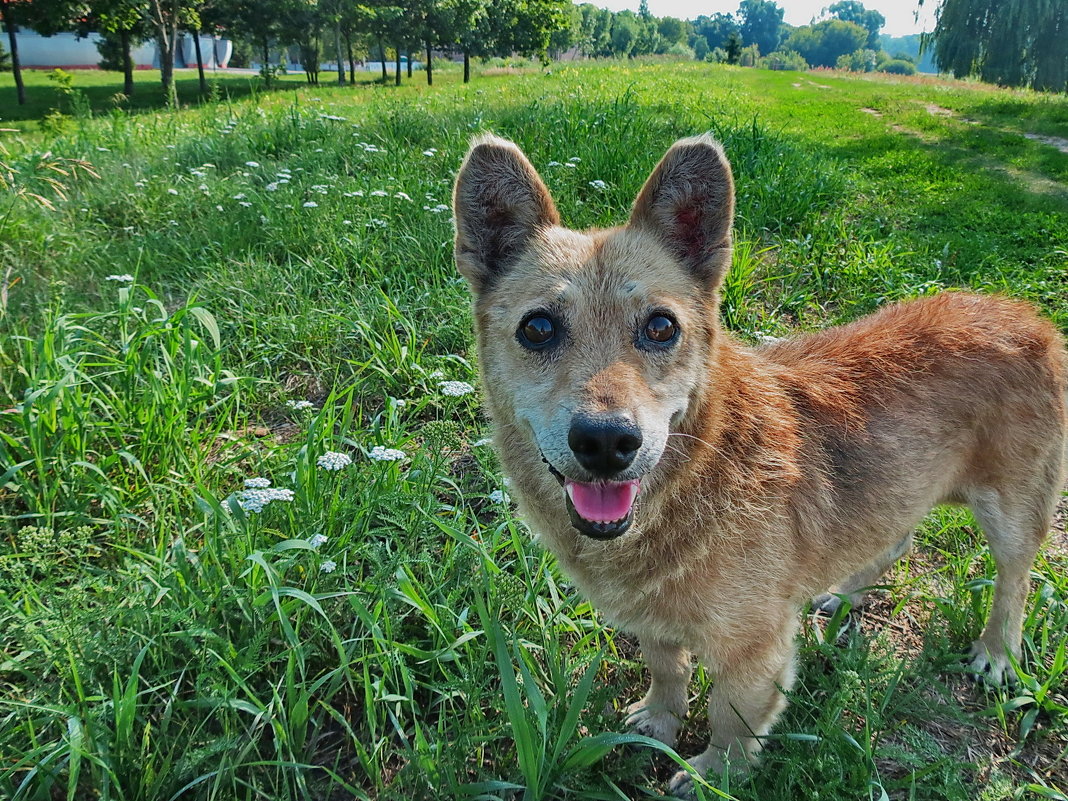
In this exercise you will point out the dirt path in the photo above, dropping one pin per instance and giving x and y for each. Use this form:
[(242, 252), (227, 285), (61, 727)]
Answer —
[(1030, 180)]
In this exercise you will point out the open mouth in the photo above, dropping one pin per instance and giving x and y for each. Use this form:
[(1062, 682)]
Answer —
[(602, 510)]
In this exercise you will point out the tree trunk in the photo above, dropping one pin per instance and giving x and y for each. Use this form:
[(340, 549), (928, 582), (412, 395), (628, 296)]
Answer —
[(429, 67), (467, 67), (398, 66), (165, 19), (13, 46), (382, 53), (409, 62), (200, 63), (340, 55), (266, 63), (352, 61), (127, 64)]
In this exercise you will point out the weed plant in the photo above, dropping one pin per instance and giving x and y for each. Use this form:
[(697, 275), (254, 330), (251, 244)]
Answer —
[(254, 543)]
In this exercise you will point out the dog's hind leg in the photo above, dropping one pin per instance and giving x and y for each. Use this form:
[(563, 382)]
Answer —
[(660, 714), (1015, 527), (855, 586)]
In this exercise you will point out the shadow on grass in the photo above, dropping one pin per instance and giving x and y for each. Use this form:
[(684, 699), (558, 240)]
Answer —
[(104, 89)]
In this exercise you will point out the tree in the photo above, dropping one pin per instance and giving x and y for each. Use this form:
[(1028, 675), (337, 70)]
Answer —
[(869, 19), (823, 43), (760, 20), (1008, 42), (715, 29), (8, 14), (673, 30), (625, 32)]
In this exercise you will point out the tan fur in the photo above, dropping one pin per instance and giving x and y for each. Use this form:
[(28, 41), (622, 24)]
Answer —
[(784, 470)]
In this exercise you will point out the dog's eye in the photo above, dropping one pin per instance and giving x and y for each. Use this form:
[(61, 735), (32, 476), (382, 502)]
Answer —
[(536, 331), (661, 329)]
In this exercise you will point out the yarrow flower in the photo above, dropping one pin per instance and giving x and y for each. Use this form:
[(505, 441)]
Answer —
[(256, 500), (599, 185), (553, 164), (332, 460), (380, 453), (499, 496), (311, 204), (252, 164), (329, 566), (454, 389), (257, 483), (125, 278), (317, 540), (430, 151), (299, 405), (482, 443)]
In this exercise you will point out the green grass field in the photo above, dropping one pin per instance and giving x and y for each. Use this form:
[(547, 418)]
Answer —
[(193, 299)]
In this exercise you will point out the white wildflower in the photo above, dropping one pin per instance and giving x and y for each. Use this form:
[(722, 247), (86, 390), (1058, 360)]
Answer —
[(570, 164), (299, 405), (403, 196), (379, 193), (272, 186), (239, 196), (357, 193), (203, 188), (380, 453), (317, 540), (245, 203), (218, 208), (104, 149), (553, 164), (256, 500), (252, 164), (311, 204), (257, 483), (574, 159), (125, 278), (374, 222), (499, 496), (430, 151), (454, 389), (346, 222), (329, 566), (482, 443), (172, 191), (333, 460), (599, 185), (436, 374)]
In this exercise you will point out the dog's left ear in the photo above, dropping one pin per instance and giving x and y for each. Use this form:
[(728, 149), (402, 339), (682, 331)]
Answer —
[(499, 203), (688, 203)]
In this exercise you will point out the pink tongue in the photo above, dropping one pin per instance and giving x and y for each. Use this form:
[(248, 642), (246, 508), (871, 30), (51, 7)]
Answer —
[(602, 503)]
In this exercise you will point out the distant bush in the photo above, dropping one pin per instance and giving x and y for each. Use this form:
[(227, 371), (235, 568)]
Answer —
[(717, 56), (700, 48), (749, 56), (863, 60), (681, 50), (783, 60), (897, 67), (5, 61)]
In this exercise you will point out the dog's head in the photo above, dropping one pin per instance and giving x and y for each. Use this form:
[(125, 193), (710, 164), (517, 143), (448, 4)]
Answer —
[(593, 345)]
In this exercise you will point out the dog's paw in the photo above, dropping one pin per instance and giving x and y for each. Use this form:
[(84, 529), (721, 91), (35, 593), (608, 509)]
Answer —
[(681, 786), (991, 668), (827, 603), (654, 721)]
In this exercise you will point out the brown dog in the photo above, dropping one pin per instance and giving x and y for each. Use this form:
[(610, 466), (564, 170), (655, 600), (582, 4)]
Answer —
[(699, 491)]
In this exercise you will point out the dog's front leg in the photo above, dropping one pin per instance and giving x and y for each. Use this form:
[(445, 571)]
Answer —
[(661, 712), (744, 703)]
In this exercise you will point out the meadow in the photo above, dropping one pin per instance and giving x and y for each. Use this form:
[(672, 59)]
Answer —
[(254, 542)]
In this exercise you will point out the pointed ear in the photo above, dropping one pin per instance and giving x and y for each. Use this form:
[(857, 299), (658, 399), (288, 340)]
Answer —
[(499, 202), (688, 203)]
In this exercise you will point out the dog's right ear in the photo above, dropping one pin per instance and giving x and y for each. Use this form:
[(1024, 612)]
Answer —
[(499, 202)]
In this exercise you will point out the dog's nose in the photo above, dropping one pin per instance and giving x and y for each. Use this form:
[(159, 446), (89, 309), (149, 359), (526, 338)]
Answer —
[(604, 444)]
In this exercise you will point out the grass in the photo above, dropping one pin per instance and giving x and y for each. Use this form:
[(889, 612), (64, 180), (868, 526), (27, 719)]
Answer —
[(161, 640)]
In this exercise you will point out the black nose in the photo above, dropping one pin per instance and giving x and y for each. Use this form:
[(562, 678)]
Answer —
[(604, 444)]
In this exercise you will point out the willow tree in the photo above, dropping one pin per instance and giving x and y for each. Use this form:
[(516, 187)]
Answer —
[(1007, 42)]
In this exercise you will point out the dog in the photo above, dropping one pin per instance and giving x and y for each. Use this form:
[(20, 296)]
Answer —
[(700, 492)]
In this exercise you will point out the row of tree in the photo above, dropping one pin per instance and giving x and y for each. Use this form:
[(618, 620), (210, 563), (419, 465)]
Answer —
[(341, 29), (1011, 42)]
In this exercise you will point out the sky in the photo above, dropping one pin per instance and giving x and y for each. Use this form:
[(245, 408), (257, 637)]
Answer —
[(900, 14)]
